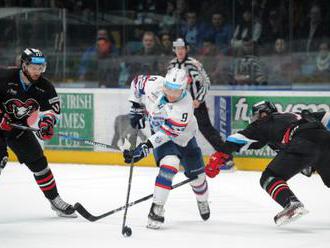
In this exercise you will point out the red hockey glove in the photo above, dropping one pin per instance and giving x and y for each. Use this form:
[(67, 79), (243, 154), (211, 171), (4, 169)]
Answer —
[(5, 122), (46, 125), (216, 161)]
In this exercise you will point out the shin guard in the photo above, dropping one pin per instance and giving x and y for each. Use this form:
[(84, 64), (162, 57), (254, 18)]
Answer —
[(169, 166)]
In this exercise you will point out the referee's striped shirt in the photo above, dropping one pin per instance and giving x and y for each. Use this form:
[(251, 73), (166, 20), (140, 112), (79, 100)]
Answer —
[(200, 83)]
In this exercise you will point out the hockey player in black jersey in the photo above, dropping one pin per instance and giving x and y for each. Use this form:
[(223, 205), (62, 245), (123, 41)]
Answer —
[(300, 140), (23, 93)]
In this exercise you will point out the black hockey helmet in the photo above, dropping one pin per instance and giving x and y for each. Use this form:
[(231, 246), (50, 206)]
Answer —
[(262, 107), (33, 56), (29, 57)]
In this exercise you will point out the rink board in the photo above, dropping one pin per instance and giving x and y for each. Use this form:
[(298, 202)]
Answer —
[(101, 115), (112, 158)]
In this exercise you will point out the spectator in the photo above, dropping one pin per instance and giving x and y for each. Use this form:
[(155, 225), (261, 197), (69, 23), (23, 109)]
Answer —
[(248, 69), (169, 19), (274, 29), (282, 67), (220, 32), (146, 60), (191, 30), (323, 62), (100, 61), (208, 54), (314, 30), (150, 44), (166, 44), (146, 12), (248, 30)]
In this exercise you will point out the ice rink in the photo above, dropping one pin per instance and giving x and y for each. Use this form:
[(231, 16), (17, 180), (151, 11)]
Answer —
[(241, 212)]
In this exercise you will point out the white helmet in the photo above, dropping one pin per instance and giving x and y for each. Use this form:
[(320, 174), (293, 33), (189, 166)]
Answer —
[(176, 79)]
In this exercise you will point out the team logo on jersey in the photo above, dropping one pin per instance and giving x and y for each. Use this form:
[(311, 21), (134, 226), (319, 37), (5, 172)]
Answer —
[(21, 109)]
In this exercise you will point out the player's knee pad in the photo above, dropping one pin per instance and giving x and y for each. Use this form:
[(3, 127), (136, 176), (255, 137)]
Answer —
[(266, 177), (39, 165)]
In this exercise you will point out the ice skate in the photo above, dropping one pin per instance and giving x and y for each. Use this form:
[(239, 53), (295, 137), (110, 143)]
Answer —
[(204, 209), (62, 208), (156, 216), (290, 213)]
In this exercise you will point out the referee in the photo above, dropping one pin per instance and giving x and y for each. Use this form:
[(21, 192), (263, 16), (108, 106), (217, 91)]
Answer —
[(199, 86)]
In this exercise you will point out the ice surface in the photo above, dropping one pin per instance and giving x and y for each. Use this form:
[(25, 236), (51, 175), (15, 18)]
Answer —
[(241, 212)]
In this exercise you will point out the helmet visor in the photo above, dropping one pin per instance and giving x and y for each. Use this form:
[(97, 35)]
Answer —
[(36, 68)]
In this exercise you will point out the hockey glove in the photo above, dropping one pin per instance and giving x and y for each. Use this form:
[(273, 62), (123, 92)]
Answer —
[(3, 162), (46, 125), (216, 161), (141, 151), (137, 117), (5, 122)]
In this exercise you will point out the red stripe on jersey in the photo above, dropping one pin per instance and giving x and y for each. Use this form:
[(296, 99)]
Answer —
[(179, 124)]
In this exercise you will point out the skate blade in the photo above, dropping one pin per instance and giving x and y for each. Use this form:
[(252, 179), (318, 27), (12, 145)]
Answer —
[(60, 214), (153, 224), (299, 212)]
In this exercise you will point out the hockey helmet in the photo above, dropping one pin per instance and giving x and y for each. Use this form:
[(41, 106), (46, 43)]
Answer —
[(179, 42), (33, 56), (175, 83), (176, 79), (262, 107)]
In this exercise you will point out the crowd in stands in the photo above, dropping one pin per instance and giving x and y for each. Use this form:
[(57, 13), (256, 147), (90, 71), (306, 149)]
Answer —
[(241, 42)]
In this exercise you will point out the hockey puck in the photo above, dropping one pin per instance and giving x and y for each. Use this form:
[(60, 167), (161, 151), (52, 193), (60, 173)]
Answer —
[(127, 231)]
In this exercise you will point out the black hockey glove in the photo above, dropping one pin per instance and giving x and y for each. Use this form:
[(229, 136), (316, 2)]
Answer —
[(137, 116), (141, 151)]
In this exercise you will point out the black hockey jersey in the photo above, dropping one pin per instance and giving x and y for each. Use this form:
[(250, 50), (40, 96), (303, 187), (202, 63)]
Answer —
[(275, 130), (19, 100)]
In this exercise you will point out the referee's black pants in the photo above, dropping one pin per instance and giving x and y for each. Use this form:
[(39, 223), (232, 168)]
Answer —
[(204, 124)]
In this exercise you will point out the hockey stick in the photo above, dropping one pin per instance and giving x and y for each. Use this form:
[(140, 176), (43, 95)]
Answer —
[(68, 137), (25, 128), (125, 230), (88, 216)]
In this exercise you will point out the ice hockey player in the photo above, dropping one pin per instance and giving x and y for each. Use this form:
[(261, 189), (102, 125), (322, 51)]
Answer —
[(300, 140), (23, 92), (198, 88), (171, 117)]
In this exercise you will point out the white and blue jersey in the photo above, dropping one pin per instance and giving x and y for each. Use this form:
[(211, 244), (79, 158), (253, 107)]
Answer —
[(169, 121)]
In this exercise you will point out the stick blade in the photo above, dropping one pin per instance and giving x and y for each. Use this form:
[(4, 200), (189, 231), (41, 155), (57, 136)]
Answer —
[(84, 213)]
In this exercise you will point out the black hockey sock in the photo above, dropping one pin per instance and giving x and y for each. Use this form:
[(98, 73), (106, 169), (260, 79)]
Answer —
[(47, 183), (278, 189)]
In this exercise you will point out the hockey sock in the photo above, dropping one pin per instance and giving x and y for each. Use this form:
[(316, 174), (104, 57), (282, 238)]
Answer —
[(200, 188), (46, 182), (278, 189), (163, 183)]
